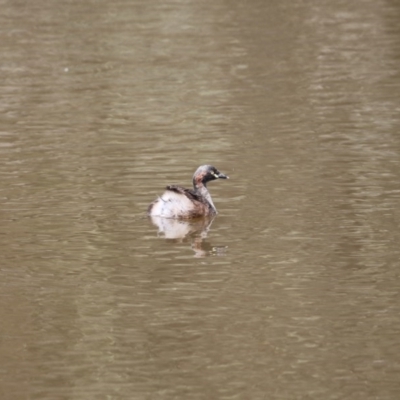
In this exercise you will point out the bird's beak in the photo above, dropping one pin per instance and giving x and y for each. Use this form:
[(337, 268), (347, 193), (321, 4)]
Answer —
[(222, 176)]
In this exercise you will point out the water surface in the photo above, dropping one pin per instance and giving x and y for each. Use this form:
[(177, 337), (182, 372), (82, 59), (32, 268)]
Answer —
[(291, 292)]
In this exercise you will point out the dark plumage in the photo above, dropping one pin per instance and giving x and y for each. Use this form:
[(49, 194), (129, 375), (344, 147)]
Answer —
[(178, 202)]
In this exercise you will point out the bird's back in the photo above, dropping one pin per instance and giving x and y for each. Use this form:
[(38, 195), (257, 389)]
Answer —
[(178, 202)]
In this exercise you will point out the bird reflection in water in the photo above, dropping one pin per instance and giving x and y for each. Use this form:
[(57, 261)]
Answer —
[(195, 230)]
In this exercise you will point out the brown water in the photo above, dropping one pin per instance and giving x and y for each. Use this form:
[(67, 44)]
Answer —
[(292, 291)]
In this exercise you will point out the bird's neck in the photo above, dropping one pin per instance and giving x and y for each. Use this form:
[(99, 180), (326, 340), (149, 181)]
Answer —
[(202, 190)]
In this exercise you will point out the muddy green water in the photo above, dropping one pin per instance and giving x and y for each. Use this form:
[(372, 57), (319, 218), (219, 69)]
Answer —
[(291, 292)]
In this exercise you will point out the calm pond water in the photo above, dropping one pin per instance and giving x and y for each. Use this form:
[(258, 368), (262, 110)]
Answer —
[(292, 291)]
